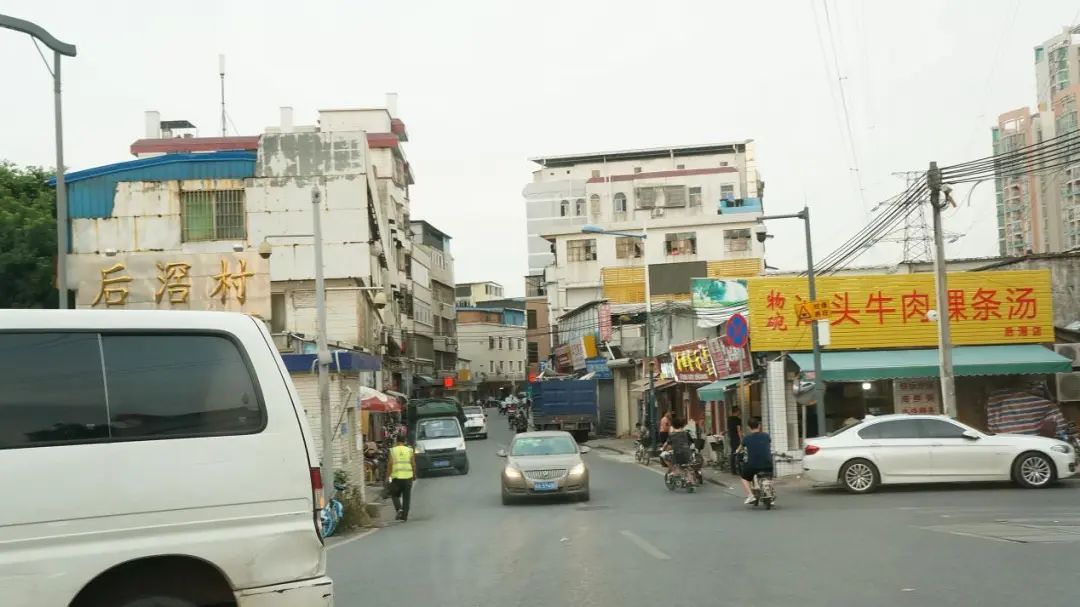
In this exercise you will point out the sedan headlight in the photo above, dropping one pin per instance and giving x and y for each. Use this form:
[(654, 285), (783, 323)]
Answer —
[(512, 473), (1060, 448), (578, 470), (419, 448), (461, 446)]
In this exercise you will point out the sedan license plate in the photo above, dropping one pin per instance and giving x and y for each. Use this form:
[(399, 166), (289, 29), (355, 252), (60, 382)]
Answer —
[(545, 486), (441, 463)]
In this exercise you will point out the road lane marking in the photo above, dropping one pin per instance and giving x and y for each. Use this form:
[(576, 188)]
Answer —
[(645, 546)]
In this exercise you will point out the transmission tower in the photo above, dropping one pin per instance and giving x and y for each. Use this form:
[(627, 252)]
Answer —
[(915, 237)]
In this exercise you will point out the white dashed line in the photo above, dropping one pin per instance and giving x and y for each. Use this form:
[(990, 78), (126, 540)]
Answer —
[(645, 546)]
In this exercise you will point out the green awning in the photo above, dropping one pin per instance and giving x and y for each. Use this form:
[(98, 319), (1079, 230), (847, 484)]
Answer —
[(715, 390), (869, 365)]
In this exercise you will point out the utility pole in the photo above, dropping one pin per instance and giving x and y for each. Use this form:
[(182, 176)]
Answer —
[(819, 382), (650, 400), (59, 48), (323, 353), (948, 385), (221, 72)]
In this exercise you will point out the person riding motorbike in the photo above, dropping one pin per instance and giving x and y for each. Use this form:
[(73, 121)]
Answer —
[(676, 450)]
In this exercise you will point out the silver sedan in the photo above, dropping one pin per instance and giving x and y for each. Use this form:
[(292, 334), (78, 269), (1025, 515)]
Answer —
[(544, 464)]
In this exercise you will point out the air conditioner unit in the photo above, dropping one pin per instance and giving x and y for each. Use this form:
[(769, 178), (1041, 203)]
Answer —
[(1068, 386), (1070, 351), (658, 212)]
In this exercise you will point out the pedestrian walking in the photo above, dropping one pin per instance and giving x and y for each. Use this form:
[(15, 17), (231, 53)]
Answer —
[(734, 436), (665, 428), (401, 469)]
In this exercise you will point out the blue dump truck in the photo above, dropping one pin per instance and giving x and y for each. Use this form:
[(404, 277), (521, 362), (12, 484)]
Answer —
[(568, 405)]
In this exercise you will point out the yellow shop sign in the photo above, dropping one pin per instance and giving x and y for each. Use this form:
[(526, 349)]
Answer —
[(891, 311)]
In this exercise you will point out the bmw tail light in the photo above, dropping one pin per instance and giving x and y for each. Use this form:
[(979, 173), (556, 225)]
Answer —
[(811, 449)]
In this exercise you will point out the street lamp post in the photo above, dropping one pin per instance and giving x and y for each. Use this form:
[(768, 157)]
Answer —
[(59, 48), (819, 385), (650, 400)]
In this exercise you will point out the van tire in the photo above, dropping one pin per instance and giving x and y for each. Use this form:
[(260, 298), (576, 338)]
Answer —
[(169, 581)]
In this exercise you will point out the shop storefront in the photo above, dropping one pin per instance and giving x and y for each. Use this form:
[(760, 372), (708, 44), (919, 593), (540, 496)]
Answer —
[(880, 356)]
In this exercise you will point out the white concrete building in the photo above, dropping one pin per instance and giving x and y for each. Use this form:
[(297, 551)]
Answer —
[(433, 245), (698, 203), (493, 340), (469, 294), (226, 223)]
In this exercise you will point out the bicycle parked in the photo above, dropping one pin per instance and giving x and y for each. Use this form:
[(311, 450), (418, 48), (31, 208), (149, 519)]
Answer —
[(331, 514)]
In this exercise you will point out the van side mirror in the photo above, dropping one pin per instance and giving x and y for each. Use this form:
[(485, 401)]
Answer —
[(585, 448), (501, 453)]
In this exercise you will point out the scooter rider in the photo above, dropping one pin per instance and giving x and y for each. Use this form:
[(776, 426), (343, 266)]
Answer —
[(677, 447), (758, 447)]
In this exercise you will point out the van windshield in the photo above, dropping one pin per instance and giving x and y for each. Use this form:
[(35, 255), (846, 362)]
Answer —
[(438, 428)]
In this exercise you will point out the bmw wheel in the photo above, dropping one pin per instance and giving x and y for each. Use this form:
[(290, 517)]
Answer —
[(1033, 471), (859, 476)]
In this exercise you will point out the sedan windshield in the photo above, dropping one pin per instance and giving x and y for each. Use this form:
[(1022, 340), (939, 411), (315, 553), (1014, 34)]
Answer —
[(544, 445), (438, 428)]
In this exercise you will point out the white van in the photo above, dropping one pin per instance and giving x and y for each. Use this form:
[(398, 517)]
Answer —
[(153, 459)]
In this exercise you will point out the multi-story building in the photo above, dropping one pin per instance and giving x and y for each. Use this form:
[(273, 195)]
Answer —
[(1040, 212), (227, 223), (698, 204), (436, 282), (537, 323), (492, 339), (471, 293)]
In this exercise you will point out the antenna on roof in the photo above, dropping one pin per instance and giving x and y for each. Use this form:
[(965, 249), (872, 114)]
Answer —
[(221, 72)]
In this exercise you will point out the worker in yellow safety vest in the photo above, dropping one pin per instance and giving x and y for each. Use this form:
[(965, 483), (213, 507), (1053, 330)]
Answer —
[(401, 470)]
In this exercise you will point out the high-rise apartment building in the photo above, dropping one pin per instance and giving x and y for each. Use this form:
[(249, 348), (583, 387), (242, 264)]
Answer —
[(1039, 212)]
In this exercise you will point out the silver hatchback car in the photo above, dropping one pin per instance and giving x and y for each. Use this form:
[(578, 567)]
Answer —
[(544, 464)]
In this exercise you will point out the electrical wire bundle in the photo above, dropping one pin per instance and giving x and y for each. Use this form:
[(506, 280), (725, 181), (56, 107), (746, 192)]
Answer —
[(895, 211), (1037, 158)]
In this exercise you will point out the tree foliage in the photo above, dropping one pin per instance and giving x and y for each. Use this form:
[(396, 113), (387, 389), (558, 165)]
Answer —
[(27, 238)]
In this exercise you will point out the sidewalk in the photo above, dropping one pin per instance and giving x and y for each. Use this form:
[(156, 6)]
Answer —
[(721, 478)]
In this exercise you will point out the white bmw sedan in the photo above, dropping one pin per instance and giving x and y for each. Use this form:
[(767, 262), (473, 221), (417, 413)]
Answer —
[(896, 449)]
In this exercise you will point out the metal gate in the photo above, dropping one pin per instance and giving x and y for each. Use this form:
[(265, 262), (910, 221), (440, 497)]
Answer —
[(605, 407)]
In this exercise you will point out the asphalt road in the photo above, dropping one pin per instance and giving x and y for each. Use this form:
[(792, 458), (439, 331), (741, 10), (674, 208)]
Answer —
[(637, 545)]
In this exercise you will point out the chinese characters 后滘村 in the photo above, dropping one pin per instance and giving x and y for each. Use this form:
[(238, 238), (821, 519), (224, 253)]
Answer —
[(174, 283)]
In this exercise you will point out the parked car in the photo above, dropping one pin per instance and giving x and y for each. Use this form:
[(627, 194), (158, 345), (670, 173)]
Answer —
[(475, 422), (154, 458), (544, 464), (440, 445), (894, 449)]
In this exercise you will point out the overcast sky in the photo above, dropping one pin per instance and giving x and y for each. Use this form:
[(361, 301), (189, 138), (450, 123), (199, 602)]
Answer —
[(484, 85)]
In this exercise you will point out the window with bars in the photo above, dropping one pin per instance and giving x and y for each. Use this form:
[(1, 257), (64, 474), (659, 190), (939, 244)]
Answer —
[(594, 206), (212, 215), (660, 196), (581, 250), (680, 243), (737, 240), (579, 207), (695, 196), (627, 247), (564, 208), (534, 352), (727, 192)]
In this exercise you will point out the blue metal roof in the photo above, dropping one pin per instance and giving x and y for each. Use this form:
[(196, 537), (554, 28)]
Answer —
[(91, 191), (348, 361)]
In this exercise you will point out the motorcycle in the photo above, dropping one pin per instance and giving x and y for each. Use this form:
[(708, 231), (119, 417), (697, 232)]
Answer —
[(764, 493), (679, 480), (697, 462), (521, 422)]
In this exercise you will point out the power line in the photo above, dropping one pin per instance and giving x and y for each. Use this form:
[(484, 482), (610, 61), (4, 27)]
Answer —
[(843, 104)]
